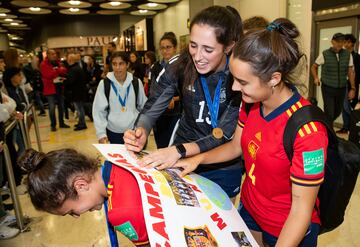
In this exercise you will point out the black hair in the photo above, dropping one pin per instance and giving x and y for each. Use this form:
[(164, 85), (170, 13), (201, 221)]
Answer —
[(171, 37), (350, 37), (123, 55)]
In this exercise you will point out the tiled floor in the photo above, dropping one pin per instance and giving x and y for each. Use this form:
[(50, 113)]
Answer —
[(90, 229)]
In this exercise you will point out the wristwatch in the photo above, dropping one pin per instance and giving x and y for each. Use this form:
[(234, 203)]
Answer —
[(181, 150)]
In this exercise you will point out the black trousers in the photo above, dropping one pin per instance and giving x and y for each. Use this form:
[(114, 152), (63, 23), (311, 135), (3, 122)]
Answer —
[(333, 101)]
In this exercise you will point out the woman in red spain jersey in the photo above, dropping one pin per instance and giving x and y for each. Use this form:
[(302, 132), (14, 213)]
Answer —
[(279, 196)]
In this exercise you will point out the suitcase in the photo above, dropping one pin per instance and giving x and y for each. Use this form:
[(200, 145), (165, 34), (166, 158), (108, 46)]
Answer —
[(354, 134)]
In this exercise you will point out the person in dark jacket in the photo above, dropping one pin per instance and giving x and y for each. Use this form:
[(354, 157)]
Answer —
[(135, 66), (76, 85)]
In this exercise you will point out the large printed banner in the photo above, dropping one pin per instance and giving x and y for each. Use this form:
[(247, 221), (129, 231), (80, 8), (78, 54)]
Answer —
[(191, 211)]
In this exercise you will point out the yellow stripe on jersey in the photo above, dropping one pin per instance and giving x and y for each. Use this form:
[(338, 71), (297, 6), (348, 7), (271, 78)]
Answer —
[(313, 126), (299, 104), (241, 124), (307, 129), (301, 133), (289, 112), (307, 182), (293, 107)]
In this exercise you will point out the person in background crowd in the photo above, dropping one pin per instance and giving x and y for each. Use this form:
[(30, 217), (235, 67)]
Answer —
[(75, 84), (33, 76), (349, 44), (201, 74), (279, 197), (255, 23), (150, 59), (93, 72), (166, 123), (7, 107), (2, 68), (111, 47), (136, 67), (53, 75), (337, 66), (65, 182), (116, 113)]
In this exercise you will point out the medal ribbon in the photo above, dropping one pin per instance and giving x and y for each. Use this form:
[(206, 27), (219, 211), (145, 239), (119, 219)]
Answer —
[(121, 100), (214, 104)]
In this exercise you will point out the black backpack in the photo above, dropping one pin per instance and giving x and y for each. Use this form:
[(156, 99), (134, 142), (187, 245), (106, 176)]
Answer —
[(341, 168), (107, 87)]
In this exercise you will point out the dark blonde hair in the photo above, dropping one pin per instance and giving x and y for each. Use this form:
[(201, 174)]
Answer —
[(49, 175), (272, 49)]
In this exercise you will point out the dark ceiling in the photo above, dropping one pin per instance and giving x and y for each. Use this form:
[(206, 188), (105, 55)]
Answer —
[(32, 21)]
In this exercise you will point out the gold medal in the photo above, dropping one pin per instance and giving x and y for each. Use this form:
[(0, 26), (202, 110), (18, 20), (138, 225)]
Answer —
[(123, 109), (217, 133)]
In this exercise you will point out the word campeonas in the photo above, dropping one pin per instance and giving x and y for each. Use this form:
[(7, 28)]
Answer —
[(153, 199)]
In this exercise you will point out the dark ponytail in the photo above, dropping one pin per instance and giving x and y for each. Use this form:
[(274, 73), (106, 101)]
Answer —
[(49, 175)]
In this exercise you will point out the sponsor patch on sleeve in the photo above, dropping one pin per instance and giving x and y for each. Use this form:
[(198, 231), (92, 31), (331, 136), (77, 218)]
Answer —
[(313, 162), (128, 230)]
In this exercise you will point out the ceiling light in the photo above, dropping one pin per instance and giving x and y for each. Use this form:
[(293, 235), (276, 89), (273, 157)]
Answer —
[(142, 11), (152, 5), (74, 10), (74, 2), (2, 14), (8, 20), (35, 9), (113, 3), (14, 24)]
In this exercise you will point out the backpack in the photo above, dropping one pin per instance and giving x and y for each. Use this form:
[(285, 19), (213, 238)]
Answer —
[(107, 87), (341, 168)]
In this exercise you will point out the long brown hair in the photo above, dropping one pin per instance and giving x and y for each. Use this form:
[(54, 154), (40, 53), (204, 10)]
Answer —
[(49, 175), (228, 28)]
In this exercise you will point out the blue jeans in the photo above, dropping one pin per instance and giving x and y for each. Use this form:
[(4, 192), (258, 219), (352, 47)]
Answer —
[(59, 100), (309, 240), (346, 112), (38, 101), (79, 106)]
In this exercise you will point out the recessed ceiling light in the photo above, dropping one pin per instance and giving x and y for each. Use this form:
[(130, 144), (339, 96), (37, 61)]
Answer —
[(2, 14), (74, 2), (35, 9), (8, 19), (142, 11), (74, 10), (114, 3), (14, 24), (152, 4)]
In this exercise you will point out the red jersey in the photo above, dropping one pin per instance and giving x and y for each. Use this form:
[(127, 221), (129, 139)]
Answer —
[(125, 211), (266, 191)]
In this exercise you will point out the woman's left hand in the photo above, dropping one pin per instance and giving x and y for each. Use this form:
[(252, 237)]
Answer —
[(161, 158)]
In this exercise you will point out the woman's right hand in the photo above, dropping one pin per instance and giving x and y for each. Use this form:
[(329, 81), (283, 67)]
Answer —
[(135, 140), (188, 164)]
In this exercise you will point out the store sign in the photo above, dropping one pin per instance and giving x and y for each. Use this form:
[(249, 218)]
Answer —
[(81, 41), (100, 40)]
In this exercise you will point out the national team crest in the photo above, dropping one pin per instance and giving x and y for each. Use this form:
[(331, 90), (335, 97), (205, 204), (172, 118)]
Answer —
[(252, 149)]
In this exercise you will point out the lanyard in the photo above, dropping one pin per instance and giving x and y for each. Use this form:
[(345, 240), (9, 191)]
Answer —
[(214, 104), (121, 100)]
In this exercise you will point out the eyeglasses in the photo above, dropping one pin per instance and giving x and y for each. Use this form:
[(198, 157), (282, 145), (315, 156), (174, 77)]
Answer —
[(168, 47)]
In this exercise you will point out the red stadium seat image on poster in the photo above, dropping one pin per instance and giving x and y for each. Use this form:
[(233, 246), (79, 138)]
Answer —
[(182, 211)]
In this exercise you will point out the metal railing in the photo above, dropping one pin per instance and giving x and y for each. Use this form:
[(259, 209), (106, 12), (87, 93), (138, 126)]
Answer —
[(20, 219)]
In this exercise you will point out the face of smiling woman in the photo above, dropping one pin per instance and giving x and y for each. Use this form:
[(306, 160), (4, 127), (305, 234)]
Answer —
[(207, 53)]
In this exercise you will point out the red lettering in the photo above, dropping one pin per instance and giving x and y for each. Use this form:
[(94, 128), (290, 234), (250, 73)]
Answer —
[(156, 210), (122, 161), (195, 188), (146, 178), (167, 244), (150, 190), (220, 222), (115, 155), (159, 227)]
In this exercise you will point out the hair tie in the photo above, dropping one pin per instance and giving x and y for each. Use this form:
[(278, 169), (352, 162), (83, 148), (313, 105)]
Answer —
[(273, 26)]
